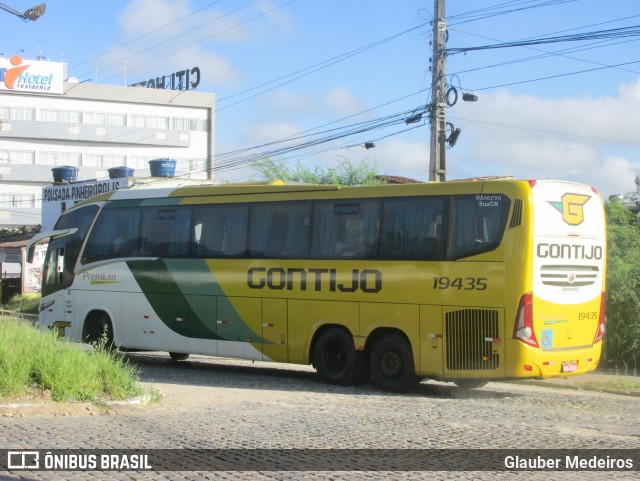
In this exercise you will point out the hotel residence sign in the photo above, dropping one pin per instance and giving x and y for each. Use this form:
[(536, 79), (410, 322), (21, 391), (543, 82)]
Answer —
[(32, 76)]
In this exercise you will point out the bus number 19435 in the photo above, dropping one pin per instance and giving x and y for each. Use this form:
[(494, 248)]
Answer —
[(460, 283)]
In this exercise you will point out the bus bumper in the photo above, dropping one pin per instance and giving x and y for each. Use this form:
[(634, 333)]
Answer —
[(531, 362)]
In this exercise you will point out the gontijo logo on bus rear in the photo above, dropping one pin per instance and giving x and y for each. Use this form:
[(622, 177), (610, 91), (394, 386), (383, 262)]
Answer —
[(571, 207)]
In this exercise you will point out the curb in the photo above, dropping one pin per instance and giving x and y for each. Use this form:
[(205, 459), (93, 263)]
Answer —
[(136, 401)]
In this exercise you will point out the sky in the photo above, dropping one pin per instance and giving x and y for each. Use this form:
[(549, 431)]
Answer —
[(312, 70)]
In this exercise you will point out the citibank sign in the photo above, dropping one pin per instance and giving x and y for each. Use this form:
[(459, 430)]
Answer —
[(33, 76)]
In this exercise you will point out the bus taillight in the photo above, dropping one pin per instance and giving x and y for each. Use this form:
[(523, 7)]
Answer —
[(523, 329), (601, 319)]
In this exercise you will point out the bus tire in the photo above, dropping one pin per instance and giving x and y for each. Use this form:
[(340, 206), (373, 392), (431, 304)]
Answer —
[(391, 363), (336, 359), (178, 356), (98, 331), (470, 383)]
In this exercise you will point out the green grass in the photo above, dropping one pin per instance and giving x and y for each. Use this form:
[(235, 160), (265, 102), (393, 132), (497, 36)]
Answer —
[(30, 358), (615, 385), (24, 303)]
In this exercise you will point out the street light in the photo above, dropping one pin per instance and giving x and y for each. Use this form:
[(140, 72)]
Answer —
[(34, 13)]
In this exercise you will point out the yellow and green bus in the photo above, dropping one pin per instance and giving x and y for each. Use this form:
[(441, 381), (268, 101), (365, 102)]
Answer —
[(464, 281)]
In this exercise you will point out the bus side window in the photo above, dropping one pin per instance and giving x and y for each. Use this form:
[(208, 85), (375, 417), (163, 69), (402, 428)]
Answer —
[(280, 230), (346, 229), (413, 228), (475, 226), (222, 230), (116, 234), (166, 231)]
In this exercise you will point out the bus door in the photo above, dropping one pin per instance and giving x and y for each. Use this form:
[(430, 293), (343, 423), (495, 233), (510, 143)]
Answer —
[(239, 327), (431, 341), (274, 330), (56, 306)]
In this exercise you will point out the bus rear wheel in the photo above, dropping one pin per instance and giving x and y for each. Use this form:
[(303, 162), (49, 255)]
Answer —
[(178, 356), (336, 359), (391, 363)]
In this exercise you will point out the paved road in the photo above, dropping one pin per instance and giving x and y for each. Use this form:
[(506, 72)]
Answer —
[(216, 404)]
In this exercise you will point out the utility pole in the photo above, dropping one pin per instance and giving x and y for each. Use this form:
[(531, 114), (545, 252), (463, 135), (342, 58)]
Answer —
[(437, 150)]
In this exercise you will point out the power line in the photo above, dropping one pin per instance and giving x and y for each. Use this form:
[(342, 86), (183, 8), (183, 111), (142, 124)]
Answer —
[(313, 68), (557, 53), (549, 77), (554, 132), (494, 11), (198, 41), (622, 32), (152, 32)]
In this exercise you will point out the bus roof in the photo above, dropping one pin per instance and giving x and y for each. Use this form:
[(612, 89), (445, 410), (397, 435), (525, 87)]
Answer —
[(477, 185)]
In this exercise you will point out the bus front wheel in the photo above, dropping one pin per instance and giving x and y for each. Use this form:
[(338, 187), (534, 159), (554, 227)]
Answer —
[(391, 363), (98, 331), (336, 359)]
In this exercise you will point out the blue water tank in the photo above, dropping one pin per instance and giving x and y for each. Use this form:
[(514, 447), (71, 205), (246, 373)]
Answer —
[(122, 171), (65, 173), (162, 167)]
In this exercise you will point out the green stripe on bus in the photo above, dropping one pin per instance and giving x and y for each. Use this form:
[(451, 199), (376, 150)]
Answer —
[(186, 297)]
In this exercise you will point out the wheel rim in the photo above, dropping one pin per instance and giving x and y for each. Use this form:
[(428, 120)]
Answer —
[(335, 357), (391, 364)]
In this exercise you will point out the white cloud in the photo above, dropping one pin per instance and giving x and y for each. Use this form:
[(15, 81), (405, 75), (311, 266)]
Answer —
[(157, 37), (170, 20), (630, 92), (342, 102), (286, 102), (336, 103), (140, 17), (261, 132), (591, 140), (395, 157)]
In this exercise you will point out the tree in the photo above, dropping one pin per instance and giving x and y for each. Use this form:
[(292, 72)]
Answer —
[(622, 337), (344, 173), (25, 229)]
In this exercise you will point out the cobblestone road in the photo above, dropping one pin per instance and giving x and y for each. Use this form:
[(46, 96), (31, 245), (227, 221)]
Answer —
[(215, 404)]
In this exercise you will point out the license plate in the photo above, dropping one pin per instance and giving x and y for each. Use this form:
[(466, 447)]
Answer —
[(569, 366)]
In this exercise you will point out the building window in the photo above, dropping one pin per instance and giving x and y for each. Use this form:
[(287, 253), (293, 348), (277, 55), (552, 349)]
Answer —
[(139, 162), (103, 160), (60, 158), (23, 200), (180, 124), (17, 156), (198, 125), (150, 122), (197, 165), (66, 116), (105, 118), (17, 113)]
